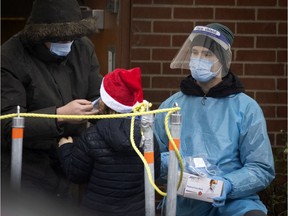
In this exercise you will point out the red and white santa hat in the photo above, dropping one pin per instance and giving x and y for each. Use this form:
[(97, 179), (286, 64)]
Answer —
[(121, 89)]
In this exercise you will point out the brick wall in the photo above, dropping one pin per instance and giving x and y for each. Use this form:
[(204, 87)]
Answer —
[(159, 27)]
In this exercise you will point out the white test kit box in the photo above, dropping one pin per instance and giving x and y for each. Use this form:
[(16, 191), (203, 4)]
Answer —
[(200, 188)]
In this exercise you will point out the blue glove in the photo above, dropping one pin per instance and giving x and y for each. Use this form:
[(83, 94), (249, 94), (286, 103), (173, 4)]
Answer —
[(227, 187)]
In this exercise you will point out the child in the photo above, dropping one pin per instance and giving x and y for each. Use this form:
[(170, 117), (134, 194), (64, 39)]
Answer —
[(103, 157)]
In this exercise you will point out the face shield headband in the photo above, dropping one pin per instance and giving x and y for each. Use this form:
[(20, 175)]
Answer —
[(211, 39), (213, 34)]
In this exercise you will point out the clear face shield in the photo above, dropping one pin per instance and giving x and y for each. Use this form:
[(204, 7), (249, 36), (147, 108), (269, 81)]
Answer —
[(204, 43)]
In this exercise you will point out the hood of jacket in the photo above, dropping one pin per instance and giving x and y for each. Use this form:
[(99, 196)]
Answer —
[(116, 133), (57, 20), (230, 85)]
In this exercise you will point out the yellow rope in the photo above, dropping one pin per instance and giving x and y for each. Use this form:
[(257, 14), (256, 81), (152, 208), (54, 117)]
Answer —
[(174, 147), (39, 115), (140, 109), (143, 159)]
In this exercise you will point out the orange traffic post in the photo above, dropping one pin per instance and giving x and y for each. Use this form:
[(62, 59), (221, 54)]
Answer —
[(17, 147)]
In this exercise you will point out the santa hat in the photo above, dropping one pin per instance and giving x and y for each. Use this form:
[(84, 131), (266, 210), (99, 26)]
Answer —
[(122, 89)]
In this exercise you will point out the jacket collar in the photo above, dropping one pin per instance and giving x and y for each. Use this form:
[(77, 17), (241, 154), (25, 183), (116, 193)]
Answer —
[(229, 85)]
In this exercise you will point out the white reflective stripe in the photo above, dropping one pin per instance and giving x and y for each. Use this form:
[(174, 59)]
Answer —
[(207, 29)]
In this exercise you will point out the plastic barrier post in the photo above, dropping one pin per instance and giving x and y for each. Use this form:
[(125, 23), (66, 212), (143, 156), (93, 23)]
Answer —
[(16, 154), (147, 140), (175, 126)]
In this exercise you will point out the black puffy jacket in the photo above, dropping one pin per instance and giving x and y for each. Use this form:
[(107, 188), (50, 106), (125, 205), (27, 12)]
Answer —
[(103, 158)]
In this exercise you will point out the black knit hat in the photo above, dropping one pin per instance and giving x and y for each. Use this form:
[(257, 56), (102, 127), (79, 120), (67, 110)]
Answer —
[(57, 20), (225, 31)]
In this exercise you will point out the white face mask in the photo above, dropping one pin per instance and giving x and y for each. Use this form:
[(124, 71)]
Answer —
[(61, 49), (201, 69)]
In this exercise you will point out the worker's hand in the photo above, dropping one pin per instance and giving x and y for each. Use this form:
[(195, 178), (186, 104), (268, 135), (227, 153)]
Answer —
[(65, 140), (76, 107), (227, 187)]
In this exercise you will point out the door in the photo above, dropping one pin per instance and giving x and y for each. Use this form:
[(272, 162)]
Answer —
[(113, 41)]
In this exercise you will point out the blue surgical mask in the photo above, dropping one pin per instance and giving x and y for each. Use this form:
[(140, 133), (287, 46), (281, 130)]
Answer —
[(61, 49), (201, 69)]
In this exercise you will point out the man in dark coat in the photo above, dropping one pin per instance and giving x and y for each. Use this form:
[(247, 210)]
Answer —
[(49, 67)]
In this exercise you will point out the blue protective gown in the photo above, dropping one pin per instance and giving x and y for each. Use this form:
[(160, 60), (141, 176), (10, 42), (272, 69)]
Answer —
[(230, 133)]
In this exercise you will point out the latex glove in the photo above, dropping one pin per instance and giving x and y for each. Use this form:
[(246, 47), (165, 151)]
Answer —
[(65, 140), (227, 187), (199, 171)]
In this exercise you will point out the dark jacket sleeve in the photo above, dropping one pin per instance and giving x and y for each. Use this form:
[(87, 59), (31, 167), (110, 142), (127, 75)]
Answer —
[(76, 162), (13, 95)]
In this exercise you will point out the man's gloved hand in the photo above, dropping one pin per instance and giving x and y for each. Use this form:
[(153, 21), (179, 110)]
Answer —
[(227, 187)]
